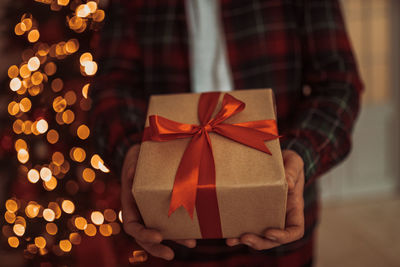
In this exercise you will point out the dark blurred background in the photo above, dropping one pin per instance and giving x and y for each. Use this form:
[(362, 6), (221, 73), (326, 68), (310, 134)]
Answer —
[(361, 197)]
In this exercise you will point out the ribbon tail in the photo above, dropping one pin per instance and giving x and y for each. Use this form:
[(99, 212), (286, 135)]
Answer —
[(207, 202), (186, 179)]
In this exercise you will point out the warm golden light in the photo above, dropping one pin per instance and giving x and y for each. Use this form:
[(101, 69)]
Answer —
[(19, 229), (103, 167), (72, 46), (13, 71), (92, 5), (52, 136), (49, 215), (18, 126), (50, 68), (90, 230), (59, 104), (33, 36), (11, 205), (83, 132), (90, 67), (95, 160), (45, 174), (57, 85), (98, 16), (42, 126), (80, 223), (20, 220), (35, 90), (13, 108), (23, 156), (88, 175), (85, 90), (75, 23), (19, 29), (40, 242), (50, 184), (13, 241), (56, 208), (9, 217), (62, 2), (110, 215), (120, 216), (33, 176), (85, 57), (82, 11), (57, 158), (105, 230), (32, 210), (51, 228), (97, 217), (68, 116), (25, 104), (75, 238), (27, 24), (15, 84), (29, 127), (70, 97), (68, 206), (78, 154), (24, 71), (37, 78), (20, 144), (65, 245), (33, 63)]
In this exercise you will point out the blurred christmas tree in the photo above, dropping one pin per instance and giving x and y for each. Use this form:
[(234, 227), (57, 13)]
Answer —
[(60, 196)]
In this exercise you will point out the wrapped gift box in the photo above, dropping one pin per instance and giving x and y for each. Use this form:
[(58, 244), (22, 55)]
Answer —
[(250, 185)]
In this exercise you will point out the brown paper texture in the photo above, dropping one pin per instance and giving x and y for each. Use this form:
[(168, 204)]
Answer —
[(251, 185)]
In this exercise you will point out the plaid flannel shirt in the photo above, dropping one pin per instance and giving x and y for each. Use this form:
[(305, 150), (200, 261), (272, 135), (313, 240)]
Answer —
[(299, 48)]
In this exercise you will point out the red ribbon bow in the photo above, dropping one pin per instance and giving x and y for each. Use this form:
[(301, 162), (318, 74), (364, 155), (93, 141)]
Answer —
[(195, 178)]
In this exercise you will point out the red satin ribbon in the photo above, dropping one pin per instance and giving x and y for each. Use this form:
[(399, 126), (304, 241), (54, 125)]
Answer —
[(195, 179)]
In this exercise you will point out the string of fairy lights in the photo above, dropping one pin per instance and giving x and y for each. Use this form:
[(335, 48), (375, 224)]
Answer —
[(34, 75)]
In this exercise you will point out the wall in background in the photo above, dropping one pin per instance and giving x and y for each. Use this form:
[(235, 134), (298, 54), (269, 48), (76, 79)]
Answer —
[(372, 168)]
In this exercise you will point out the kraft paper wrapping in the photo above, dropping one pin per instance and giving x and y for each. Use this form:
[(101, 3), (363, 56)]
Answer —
[(251, 185)]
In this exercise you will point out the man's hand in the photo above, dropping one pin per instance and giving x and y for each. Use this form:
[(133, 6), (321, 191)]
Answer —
[(149, 239), (294, 225)]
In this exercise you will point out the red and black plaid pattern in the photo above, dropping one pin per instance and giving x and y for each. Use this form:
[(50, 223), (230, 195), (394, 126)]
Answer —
[(299, 48)]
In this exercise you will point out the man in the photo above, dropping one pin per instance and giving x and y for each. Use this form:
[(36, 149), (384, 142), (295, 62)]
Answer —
[(298, 48)]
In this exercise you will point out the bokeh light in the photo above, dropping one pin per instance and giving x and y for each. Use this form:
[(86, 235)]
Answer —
[(33, 36), (83, 132), (65, 245), (90, 230), (11, 205), (45, 174), (52, 136), (68, 206), (33, 63), (23, 155), (33, 176), (40, 242), (49, 215), (97, 217), (88, 175), (51, 228), (15, 84), (13, 241), (80, 223)]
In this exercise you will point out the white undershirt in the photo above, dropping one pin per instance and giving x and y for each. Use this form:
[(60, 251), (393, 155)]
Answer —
[(208, 58)]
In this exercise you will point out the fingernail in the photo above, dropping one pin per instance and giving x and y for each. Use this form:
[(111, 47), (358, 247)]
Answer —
[(270, 237)]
